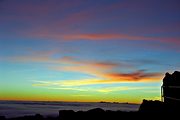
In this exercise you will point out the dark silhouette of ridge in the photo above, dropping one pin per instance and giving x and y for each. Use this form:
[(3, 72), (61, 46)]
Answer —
[(152, 106)]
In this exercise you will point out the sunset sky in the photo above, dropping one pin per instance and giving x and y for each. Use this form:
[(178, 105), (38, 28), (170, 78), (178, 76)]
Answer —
[(87, 50)]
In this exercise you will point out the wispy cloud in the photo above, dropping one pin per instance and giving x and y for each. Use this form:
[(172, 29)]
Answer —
[(68, 82), (103, 71), (84, 82), (162, 41), (109, 76), (65, 88), (134, 76), (82, 86), (108, 36), (97, 36), (126, 88), (105, 36)]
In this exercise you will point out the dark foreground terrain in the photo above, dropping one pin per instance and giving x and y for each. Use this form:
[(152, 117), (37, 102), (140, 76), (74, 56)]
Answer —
[(147, 110)]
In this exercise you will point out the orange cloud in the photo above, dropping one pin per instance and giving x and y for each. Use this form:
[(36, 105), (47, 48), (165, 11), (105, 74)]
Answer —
[(93, 68), (105, 72), (118, 36), (104, 36), (101, 36), (140, 75)]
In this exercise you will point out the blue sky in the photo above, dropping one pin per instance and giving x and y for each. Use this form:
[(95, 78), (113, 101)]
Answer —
[(97, 50)]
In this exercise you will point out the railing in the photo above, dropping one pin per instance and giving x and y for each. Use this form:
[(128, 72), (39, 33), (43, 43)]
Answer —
[(163, 96)]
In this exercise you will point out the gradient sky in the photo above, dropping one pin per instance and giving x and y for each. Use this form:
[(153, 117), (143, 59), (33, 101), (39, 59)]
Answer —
[(87, 50)]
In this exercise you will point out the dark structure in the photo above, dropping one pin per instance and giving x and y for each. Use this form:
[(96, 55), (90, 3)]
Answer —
[(170, 94), (149, 106), (170, 89)]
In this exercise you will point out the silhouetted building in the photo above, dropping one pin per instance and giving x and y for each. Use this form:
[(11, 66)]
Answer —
[(170, 89), (170, 93)]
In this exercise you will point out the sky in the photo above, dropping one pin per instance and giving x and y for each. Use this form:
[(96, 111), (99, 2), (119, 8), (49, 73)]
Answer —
[(87, 50)]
